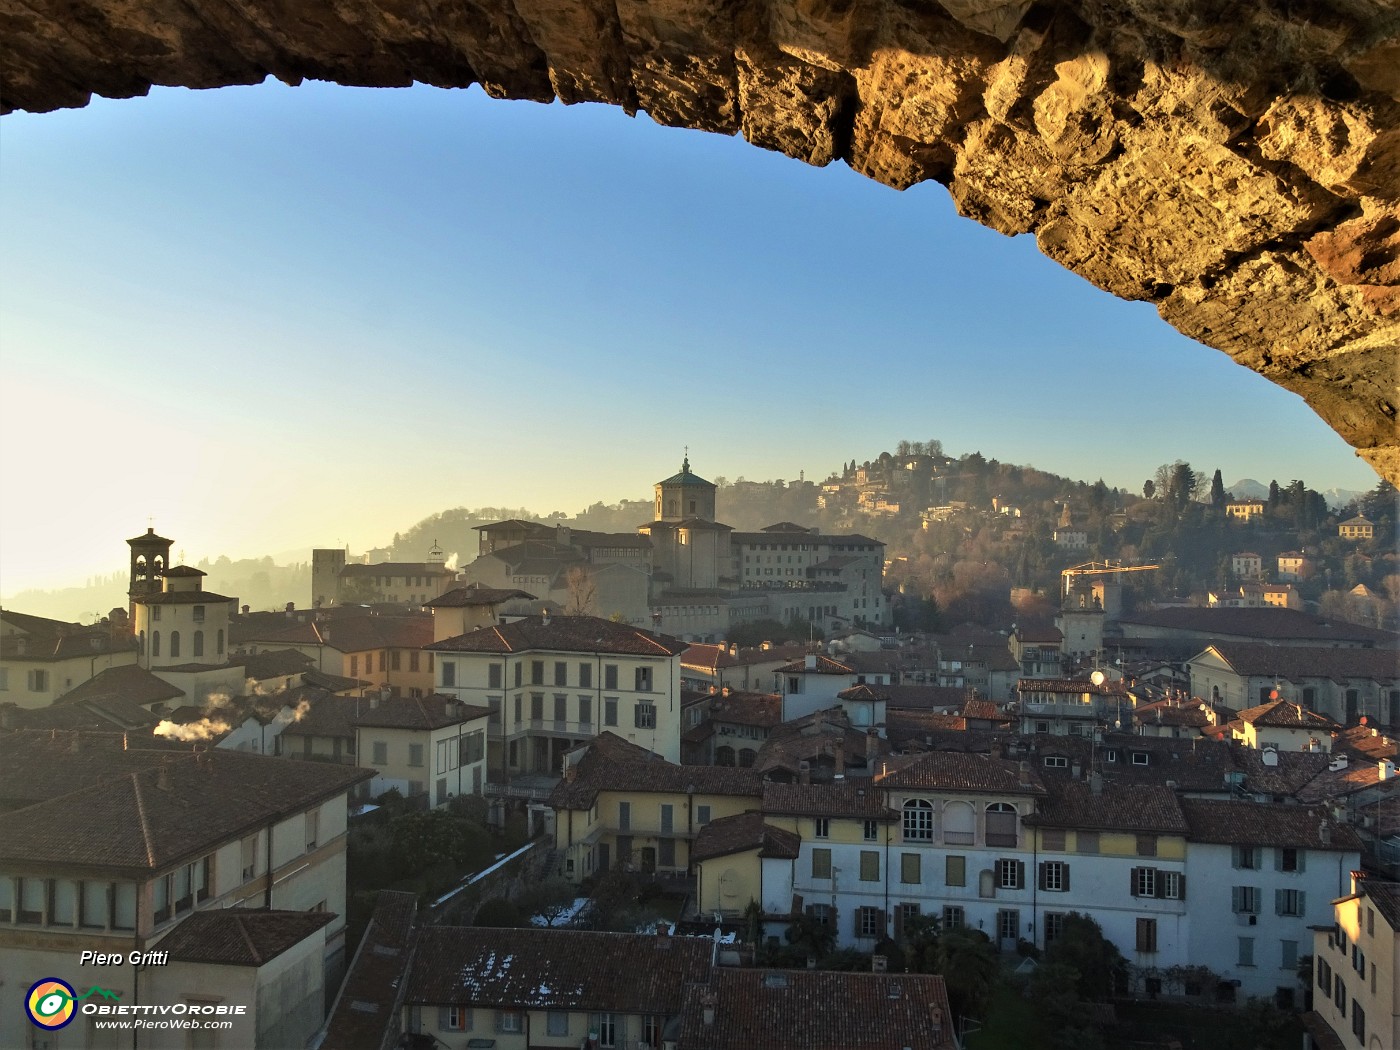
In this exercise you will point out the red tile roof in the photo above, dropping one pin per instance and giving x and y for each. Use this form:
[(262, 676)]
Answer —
[(849, 798), (415, 712), (1280, 714), (1131, 808), (474, 594), (555, 969), (368, 1003), (241, 936), (1292, 663), (1265, 824), (744, 832), (585, 634), (951, 771)]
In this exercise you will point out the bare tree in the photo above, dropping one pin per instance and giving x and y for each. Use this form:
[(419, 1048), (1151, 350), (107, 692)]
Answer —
[(583, 592)]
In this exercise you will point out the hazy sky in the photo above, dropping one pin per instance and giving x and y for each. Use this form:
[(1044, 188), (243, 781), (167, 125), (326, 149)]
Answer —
[(273, 318)]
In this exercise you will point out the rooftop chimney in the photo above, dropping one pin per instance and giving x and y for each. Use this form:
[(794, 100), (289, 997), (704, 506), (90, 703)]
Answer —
[(810, 662), (163, 777), (291, 610), (879, 964), (1024, 773), (708, 1000), (1324, 833)]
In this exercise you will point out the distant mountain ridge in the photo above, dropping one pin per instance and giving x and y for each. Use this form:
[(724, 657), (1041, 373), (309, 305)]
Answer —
[(1248, 488)]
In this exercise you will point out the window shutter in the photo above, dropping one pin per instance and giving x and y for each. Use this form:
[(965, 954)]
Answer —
[(1159, 884), (884, 923), (1278, 902), (1237, 898), (1278, 859), (1041, 879), (1020, 874), (1302, 861), (1064, 877), (1133, 881), (1302, 902), (444, 1022), (1236, 857), (1181, 885)]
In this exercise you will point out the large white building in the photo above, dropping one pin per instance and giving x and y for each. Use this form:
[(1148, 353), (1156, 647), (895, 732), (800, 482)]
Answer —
[(554, 682)]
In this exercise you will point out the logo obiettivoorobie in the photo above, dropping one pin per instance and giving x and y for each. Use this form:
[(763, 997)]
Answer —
[(51, 1003)]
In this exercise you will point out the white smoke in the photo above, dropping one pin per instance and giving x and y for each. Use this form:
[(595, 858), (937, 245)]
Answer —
[(204, 729)]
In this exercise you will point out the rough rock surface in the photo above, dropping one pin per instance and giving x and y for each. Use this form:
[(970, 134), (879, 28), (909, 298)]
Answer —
[(1240, 170)]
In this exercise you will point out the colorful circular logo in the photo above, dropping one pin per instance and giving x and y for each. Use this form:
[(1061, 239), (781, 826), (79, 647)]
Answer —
[(50, 1003)]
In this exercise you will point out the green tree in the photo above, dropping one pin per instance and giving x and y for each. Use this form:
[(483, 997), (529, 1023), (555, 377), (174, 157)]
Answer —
[(549, 900), (1217, 490), (1149, 489), (1082, 947), (499, 912), (968, 963), (811, 936)]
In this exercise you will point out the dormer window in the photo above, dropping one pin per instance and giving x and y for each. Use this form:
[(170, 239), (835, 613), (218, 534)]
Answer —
[(1139, 758)]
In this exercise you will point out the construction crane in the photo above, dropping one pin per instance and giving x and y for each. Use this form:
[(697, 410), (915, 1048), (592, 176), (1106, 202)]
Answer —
[(1098, 568)]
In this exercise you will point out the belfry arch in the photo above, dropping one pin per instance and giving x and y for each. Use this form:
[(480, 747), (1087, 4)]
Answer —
[(1242, 173)]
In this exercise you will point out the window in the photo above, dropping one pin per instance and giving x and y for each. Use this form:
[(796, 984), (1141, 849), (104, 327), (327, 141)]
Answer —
[(870, 922), (1144, 882), (1140, 758), (821, 828), (610, 676), (39, 679), (561, 708), (1001, 824), (155, 612), (454, 1019), (643, 680), (1009, 924), (585, 676), (1339, 994), (1056, 761), (959, 824), (910, 868), (1289, 859), (821, 863), (1147, 935), (667, 817), (624, 816), (585, 711), (644, 716), (1288, 955), (537, 672), (493, 676), (1370, 922), (1246, 952), (1054, 876), (905, 915), (558, 1022), (869, 865), (510, 1021), (519, 673), (610, 711), (1054, 926), (198, 646), (1244, 900), (1358, 960), (1147, 845), (918, 820), (1052, 839), (1011, 874), (396, 659), (313, 828), (561, 673), (1324, 976), (537, 707), (1246, 857), (1358, 1021), (702, 815), (1173, 885), (1290, 902), (955, 871), (415, 754), (871, 831), (449, 673), (822, 913), (381, 753)]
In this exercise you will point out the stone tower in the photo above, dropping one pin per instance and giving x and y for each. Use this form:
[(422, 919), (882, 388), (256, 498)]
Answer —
[(150, 557), (685, 495)]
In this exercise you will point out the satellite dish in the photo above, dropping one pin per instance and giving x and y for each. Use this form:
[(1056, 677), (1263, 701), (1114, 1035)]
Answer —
[(1097, 677)]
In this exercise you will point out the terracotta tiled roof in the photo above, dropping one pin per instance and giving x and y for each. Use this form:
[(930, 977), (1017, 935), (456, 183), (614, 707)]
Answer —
[(1280, 714), (329, 716), (1173, 713), (614, 764), (131, 684), (1386, 896), (1265, 824), (184, 571), (275, 663), (397, 568), (474, 594), (1263, 624), (747, 709), (1070, 686), (416, 712), (805, 1009), (70, 642), (926, 697), (906, 729), (143, 811), (948, 771), (747, 831), (181, 598), (555, 969), (982, 709), (241, 936), (1367, 741), (1145, 808), (850, 798), (358, 633), (865, 693), (582, 634), (823, 665), (369, 998), (1295, 662)]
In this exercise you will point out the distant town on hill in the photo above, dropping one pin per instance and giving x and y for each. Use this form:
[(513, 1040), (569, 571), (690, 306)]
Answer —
[(968, 538)]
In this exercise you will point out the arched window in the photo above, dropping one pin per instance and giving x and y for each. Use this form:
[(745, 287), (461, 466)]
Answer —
[(918, 820), (198, 644), (220, 650), (959, 824), (174, 643), (1002, 822), (155, 643), (724, 756), (747, 756)]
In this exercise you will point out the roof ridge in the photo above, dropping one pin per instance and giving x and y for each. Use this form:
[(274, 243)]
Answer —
[(496, 628), (248, 940), (141, 814)]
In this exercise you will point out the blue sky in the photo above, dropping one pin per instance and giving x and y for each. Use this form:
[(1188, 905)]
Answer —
[(271, 318)]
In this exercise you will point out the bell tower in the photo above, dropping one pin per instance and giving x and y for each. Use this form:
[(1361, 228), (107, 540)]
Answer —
[(150, 557), (685, 495)]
